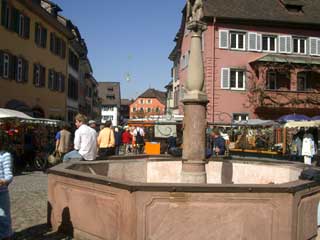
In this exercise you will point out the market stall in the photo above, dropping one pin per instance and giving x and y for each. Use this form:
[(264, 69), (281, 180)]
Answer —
[(28, 139)]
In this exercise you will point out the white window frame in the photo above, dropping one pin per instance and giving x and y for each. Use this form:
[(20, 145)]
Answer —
[(240, 115), (19, 70), (299, 44), (141, 101), (237, 79), (6, 64), (149, 101), (237, 40), (268, 43)]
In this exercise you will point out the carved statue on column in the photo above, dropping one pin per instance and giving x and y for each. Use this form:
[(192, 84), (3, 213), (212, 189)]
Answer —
[(194, 10)]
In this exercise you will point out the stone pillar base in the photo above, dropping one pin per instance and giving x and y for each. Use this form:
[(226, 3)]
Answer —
[(194, 172)]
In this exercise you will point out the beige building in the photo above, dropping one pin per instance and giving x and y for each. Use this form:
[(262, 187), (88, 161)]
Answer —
[(33, 59)]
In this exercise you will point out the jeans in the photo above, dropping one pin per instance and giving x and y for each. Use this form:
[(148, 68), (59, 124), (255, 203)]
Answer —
[(73, 155), (5, 217)]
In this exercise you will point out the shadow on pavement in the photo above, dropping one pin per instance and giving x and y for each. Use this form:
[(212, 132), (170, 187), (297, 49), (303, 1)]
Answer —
[(39, 232)]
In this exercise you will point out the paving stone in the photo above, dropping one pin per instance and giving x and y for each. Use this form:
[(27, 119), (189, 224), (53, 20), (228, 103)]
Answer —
[(28, 195)]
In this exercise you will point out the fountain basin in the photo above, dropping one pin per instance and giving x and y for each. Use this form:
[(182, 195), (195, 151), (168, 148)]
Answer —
[(144, 198)]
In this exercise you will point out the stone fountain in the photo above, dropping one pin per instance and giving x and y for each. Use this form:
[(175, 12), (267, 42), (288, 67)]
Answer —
[(161, 198)]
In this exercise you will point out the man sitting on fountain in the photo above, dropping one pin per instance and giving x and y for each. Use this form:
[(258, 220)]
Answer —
[(218, 143), (85, 141)]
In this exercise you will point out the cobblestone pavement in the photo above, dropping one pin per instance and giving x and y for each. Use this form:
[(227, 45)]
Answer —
[(28, 194)]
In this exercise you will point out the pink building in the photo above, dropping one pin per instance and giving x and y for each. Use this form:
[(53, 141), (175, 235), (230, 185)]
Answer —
[(261, 58)]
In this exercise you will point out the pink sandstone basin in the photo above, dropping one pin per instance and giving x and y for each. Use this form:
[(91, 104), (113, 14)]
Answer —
[(144, 199)]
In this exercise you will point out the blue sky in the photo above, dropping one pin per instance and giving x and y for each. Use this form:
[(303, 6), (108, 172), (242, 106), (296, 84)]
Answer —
[(128, 37)]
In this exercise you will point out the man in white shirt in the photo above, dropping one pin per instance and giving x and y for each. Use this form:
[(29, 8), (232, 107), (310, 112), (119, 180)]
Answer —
[(85, 141)]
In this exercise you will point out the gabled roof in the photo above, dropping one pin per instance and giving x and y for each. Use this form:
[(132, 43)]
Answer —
[(265, 10), (153, 93)]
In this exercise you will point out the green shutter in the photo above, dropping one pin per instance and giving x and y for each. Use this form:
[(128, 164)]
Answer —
[(36, 35), (4, 5), (44, 37), (1, 64), (26, 33), (14, 24), (25, 70), (12, 67)]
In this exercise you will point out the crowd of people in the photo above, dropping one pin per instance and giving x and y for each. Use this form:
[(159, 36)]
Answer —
[(91, 142)]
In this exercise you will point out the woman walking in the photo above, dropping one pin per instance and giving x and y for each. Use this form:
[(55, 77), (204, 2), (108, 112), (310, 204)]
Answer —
[(5, 179)]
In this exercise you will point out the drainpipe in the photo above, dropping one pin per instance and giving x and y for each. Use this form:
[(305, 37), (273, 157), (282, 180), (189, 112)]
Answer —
[(214, 64)]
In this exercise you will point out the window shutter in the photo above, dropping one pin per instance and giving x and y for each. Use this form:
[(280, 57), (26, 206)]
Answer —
[(313, 45), (225, 78), (26, 33), (55, 81), (282, 44), (223, 39), (14, 25), (289, 44), (44, 37), (34, 74), (62, 83), (52, 45), (259, 42), (252, 41), (318, 46), (4, 5), (1, 63), (25, 70), (36, 33), (50, 82), (42, 76), (63, 50), (12, 67)]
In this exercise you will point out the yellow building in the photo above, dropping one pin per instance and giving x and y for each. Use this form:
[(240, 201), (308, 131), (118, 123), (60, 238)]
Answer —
[(33, 58)]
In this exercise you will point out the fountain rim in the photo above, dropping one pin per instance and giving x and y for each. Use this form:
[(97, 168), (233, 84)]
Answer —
[(64, 170)]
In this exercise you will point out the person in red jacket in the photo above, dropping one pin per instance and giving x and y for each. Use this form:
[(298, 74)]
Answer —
[(127, 139)]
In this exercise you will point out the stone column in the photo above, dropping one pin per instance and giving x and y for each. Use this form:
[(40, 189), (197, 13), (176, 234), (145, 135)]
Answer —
[(195, 102)]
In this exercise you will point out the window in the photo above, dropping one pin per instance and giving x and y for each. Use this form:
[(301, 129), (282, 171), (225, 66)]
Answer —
[(111, 97), (110, 89), (233, 79), (141, 101), (73, 87), (57, 45), (254, 41), (157, 110), (299, 45), (21, 25), (141, 109), (149, 101), (73, 60), (40, 36), (304, 81), (278, 80), (6, 65), (38, 75), (107, 108), (237, 117), (237, 40), (19, 70), (269, 43), (134, 109), (148, 109)]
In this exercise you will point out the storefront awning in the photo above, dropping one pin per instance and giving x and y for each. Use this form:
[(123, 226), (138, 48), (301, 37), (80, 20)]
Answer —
[(288, 59), (300, 124)]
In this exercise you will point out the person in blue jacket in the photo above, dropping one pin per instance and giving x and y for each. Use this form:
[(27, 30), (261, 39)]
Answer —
[(218, 143)]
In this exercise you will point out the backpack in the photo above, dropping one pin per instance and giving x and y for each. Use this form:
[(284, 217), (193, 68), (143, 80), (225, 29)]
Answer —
[(139, 138)]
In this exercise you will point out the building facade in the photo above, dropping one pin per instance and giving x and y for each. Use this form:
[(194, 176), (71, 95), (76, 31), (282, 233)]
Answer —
[(40, 56), (110, 95), (33, 46), (261, 58), (150, 103)]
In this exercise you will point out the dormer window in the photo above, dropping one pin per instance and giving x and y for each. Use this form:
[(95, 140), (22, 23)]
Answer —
[(293, 6)]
